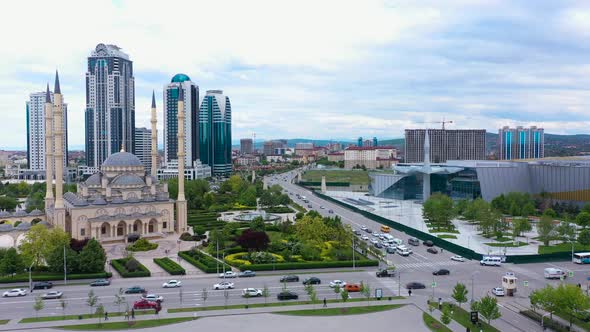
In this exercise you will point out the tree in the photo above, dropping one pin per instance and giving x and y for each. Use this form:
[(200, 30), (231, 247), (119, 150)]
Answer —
[(583, 219), (438, 210), (265, 294), (92, 258), (520, 225), (38, 305), (366, 291), (571, 301), (55, 260), (446, 315), (257, 224), (545, 298), (8, 203), (40, 242), (460, 293), (91, 300), (550, 212), (11, 262), (311, 293), (337, 289), (488, 308), (253, 240), (546, 229), (584, 237), (474, 209), (344, 295), (566, 231), (100, 313), (119, 299)]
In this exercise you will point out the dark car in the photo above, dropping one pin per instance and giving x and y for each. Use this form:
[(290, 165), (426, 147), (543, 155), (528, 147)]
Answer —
[(390, 250), (42, 285), (287, 295), (369, 230), (309, 206), (312, 281), (415, 285), (357, 232), (432, 250), (441, 272), (135, 290), (428, 243), (100, 282), (289, 278), (378, 245), (247, 274), (385, 273)]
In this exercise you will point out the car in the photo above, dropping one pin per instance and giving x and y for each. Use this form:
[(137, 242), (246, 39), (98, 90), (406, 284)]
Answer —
[(385, 273), (309, 206), (378, 245), (15, 292), (458, 258), (145, 304), (428, 243), (356, 232), (374, 241), (224, 285), (247, 274), (432, 250), (338, 283), (498, 291), (415, 285), (322, 207), (289, 278), (251, 292), (228, 274), (364, 238), (135, 290), (330, 211), (364, 228), (100, 282), (312, 281), (172, 284), (153, 297), (287, 295), (390, 250), (369, 230), (53, 295), (510, 274), (441, 272), (352, 288), (42, 285)]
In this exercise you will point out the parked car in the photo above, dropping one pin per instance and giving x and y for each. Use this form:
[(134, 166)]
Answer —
[(172, 284), (378, 245), (364, 228), (338, 283), (369, 230), (289, 278), (309, 206), (251, 292), (228, 274), (287, 295), (364, 238), (247, 274), (322, 207), (224, 285), (458, 258), (441, 272), (413, 241), (145, 304), (432, 250), (357, 232), (352, 288), (42, 285), (330, 211), (153, 297), (498, 291), (135, 290), (52, 295), (312, 281), (385, 273), (100, 282), (390, 250), (15, 292), (428, 243), (415, 285)]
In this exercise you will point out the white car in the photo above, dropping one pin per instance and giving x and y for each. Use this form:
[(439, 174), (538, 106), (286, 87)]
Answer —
[(374, 241), (498, 291), (458, 258), (172, 284), (338, 283), (322, 207), (364, 238), (251, 292), (53, 295), (153, 298), (228, 274), (15, 292), (224, 285), (364, 228)]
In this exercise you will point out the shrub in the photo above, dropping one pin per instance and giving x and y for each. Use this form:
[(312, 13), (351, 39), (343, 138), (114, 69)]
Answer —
[(306, 265), (201, 261), (170, 266), (132, 265), (120, 266), (142, 245), (46, 276), (187, 237), (278, 209)]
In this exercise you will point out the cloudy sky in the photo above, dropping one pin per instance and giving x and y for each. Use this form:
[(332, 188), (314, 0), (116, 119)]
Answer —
[(317, 69)]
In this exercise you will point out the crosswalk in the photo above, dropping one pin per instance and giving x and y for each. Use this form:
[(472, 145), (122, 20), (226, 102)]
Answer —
[(426, 265)]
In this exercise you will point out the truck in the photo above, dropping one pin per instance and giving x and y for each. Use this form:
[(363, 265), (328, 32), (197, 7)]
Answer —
[(388, 272)]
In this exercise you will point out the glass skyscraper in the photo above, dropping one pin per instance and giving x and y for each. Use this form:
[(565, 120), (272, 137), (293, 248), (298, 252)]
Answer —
[(215, 132), (521, 143)]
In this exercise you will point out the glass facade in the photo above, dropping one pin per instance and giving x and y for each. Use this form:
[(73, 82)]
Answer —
[(215, 132)]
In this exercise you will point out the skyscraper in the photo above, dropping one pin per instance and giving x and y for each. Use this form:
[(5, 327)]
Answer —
[(460, 144), (143, 146), (246, 146), (110, 104), (521, 143), (215, 132), (36, 131), (191, 122)]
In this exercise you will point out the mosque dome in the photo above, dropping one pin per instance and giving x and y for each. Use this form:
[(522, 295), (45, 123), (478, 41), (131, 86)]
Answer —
[(179, 78), (122, 159)]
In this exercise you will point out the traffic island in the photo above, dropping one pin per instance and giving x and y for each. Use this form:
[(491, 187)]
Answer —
[(125, 325), (341, 311)]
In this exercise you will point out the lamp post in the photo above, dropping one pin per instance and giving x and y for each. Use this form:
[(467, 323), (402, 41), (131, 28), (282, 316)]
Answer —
[(65, 267), (353, 256), (31, 277)]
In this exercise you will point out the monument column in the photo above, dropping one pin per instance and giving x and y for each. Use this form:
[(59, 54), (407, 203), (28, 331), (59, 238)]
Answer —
[(181, 200)]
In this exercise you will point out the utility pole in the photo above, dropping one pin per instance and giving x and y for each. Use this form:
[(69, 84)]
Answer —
[(399, 283), (217, 254), (353, 250)]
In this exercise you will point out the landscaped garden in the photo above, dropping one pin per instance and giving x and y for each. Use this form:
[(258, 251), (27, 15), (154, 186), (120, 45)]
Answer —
[(170, 266), (130, 267), (142, 245), (354, 177)]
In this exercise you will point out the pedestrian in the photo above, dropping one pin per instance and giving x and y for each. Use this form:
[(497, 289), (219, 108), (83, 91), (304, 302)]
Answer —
[(126, 314), (106, 315), (325, 303), (132, 313), (409, 292), (441, 250)]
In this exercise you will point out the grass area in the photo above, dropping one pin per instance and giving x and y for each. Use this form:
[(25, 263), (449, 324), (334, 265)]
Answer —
[(127, 325), (272, 304), (433, 324), (511, 244), (341, 311), (447, 236), (354, 177), (4, 321), (562, 247), (462, 317), (443, 230), (84, 316)]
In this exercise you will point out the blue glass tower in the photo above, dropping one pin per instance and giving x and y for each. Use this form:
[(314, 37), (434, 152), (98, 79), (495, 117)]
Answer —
[(215, 132)]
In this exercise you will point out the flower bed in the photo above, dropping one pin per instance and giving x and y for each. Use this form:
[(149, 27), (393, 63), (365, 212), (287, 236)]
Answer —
[(170, 266)]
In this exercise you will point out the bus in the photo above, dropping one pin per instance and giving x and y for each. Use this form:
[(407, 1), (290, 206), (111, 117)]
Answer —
[(385, 229), (582, 258)]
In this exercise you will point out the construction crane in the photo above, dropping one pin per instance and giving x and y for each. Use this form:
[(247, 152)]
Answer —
[(443, 122)]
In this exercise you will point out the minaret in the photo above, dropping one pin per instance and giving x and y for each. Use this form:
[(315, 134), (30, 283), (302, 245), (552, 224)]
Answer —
[(48, 150), (426, 168), (59, 216), (181, 200), (154, 122)]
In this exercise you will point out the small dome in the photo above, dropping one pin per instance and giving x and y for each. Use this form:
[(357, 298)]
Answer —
[(20, 213), (44, 223), (6, 228), (23, 226), (127, 180), (118, 200), (99, 201), (36, 212), (93, 180), (4, 214), (122, 159), (179, 78)]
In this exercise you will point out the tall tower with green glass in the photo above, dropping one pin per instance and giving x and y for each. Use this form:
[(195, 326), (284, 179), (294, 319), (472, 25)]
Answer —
[(215, 132)]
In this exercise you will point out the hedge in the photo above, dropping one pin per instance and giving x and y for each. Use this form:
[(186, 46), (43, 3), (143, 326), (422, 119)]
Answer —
[(547, 321), (170, 266), (119, 265), (202, 261), (54, 277), (278, 209), (306, 265)]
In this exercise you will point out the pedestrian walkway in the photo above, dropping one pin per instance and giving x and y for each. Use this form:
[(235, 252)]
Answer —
[(426, 265)]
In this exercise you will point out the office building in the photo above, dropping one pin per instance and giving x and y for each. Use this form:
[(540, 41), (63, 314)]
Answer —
[(521, 143), (143, 147), (370, 157), (461, 144), (215, 132), (190, 94), (36, 141), (246, 146), (196, 171), (299, 146), (110, 104), (269, 148)]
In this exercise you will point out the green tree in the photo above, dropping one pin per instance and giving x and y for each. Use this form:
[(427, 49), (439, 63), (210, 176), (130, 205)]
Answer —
[(566, 231), (550, 212), (8, 203), (520, 225), (438, 210), (366, 291), (248, 197), (584, 237), (545, 298), (91, 300), (55, 260), (257, 224), (546, 229), (460, 293), (40, 242), (461, 206), (38, 305), (474, 209), (583, 219), (11, 262), (488, 308), (446, 315), (344, 295), (92, 258), (100, 313), (528, 209), (571, 301)]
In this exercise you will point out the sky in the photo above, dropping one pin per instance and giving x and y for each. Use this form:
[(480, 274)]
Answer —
[(315, 69)]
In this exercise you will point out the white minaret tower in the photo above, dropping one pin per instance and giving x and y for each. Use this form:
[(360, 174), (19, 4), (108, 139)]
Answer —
[(59, 210), (154, 122), (426, 174), (49, 200), (181, 200)]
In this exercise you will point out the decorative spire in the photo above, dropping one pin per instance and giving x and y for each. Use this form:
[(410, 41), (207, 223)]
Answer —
[(56, 89), (123, 147), (153, 99), (180, 93), (48, 95)]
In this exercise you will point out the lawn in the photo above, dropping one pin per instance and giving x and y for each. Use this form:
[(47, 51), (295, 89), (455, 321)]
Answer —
[(433, 324), (447, 236), (504, 244), (341, 311), (443, 230), (462, 317), (4, 321), (84, 316), (354, 177), (128, 325), (563, 247)]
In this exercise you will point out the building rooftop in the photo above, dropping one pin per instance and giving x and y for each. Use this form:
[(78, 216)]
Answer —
[(179, 78), (359, 148), (122, 159)]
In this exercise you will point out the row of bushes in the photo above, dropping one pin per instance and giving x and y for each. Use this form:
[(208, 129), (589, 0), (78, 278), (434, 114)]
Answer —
[(553, 325), (278, 209), (130, 268), (188, 237), (142, 245), (306, 265), (46, 276), (201, 261), (170, 266)]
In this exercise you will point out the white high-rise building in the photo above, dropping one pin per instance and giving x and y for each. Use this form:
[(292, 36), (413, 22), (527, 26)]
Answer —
[(143, 146), (36, 131)]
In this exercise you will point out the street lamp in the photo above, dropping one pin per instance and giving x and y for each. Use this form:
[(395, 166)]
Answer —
[(353, 250)]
